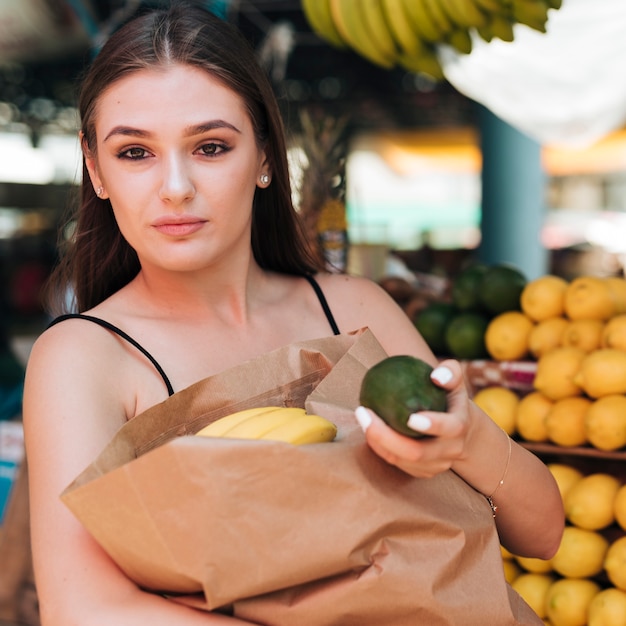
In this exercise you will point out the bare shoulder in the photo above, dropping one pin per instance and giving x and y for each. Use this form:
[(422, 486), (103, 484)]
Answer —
[(69, 345), (350, 287), (358, 302), (71, 371)]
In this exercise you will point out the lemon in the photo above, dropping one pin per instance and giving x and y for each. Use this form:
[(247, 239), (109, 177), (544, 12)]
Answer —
[(615, 563), (507, 555), (556, 372), (507, 334), (614, 333), (583, 334), (544, 297), (619, 507), (511, 570), (530, 418), (581, 553), (500, 404), (565, 476), (602, 373), (606, 422), (565, 421), (533, 588), (546, 335), (589, 503), (534, 564), (617, 284), (568, 600), (589, 297), (607, 608)]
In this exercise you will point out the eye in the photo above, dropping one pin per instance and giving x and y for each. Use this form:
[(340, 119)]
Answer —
[(212, 149), (133, 154)]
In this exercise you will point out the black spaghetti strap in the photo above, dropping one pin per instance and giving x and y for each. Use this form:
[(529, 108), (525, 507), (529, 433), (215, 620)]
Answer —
[(322, 298), (123, 335)]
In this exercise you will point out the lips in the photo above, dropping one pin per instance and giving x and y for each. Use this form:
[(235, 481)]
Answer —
[(178, 225)]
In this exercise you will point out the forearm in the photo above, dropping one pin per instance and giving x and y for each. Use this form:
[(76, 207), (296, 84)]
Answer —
[(529, 511), (134, 609)]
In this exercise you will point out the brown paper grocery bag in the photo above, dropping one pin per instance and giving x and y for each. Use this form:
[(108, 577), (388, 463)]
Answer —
[(282, 535)]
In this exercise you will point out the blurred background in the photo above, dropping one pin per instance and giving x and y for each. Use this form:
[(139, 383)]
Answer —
[(426, 176)]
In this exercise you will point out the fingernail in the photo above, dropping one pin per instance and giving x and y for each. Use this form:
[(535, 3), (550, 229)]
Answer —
[(419, 422), (363, 417), (442, 375)]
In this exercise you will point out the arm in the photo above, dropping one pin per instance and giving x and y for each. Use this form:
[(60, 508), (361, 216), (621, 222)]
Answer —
[(71, 410), (529, 515)]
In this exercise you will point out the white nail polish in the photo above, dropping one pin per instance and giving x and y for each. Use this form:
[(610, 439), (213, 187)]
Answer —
[(419, 422), (363, 417), (442, 375)]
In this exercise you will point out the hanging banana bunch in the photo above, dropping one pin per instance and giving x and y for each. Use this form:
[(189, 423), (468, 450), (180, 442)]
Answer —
[(406, 33)]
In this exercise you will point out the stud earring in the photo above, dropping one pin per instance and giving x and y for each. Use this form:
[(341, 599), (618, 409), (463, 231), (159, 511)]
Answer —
[(265, 179), (99, 191)]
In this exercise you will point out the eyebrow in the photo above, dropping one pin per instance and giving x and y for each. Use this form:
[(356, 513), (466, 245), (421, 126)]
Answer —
[(190, 131)]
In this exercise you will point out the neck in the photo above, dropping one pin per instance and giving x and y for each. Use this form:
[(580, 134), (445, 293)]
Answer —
[(199, 295)]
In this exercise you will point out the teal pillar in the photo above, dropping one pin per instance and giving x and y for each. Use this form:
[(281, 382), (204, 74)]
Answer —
[(513, 197)]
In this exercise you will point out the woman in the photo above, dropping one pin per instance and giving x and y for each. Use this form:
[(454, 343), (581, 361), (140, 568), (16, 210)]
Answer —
[(186, 240)]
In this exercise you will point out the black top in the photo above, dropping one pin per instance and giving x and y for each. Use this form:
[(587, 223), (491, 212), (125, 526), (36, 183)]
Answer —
[(123, 335)]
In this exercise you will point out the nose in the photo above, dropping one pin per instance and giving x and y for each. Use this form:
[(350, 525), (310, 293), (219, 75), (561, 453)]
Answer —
[(176, 185)]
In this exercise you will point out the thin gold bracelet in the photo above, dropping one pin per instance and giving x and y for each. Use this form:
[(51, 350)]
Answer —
[(494, 508)]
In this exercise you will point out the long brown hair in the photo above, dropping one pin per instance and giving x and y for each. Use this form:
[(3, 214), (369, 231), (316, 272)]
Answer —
[(97, 260)]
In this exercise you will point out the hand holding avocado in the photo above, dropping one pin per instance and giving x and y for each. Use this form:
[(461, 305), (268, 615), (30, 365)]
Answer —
[(399, 386), (421, 421)]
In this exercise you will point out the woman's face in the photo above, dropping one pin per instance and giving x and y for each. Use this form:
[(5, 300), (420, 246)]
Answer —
[(177, 157)]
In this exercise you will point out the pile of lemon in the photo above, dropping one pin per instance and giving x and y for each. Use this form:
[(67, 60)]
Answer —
[(584, 584), (576, 332)]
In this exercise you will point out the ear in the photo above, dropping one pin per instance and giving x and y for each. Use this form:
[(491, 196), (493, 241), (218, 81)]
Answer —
[(264, 174), (92, 167)]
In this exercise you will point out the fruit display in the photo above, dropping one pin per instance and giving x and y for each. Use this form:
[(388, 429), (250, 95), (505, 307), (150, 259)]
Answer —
[(291, 425), (573, 416), (463, 325), (398, 386), (584, 583), (552, 376), (407, 33), (574, 334)]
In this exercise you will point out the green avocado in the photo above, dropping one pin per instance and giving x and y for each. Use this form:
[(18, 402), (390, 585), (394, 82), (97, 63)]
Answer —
[(398, 386)]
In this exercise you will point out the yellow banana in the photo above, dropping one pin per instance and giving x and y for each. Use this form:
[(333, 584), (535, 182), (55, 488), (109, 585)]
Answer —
[(426, 63), (464, 13), (493, 6), (485, 32), (220, 426), (350, 23), (422, 22), (376, 24), (289, 424), (460, 39), (531, 13), (501, 27), (404, 35), (257, 425), (439, 15), (308, 428), (317, 13)]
